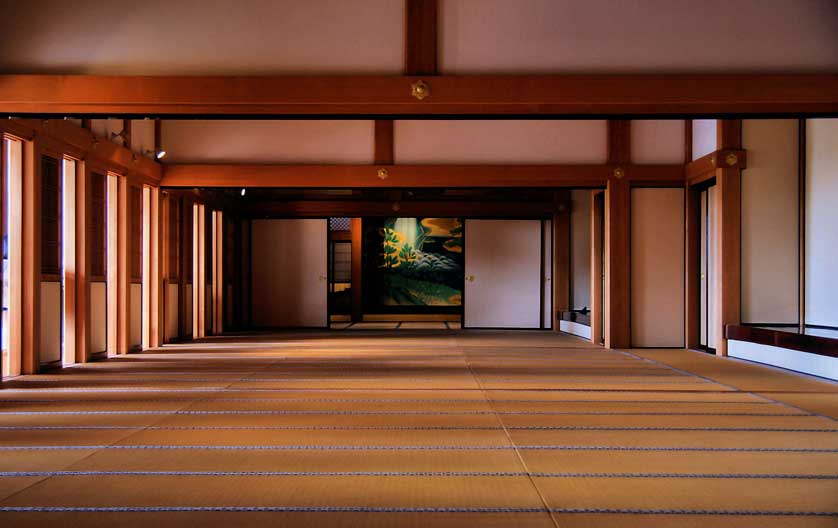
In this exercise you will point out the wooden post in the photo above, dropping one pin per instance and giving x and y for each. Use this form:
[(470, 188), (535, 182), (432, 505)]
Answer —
[(155, 269), (69, 313), (147, 282), (13, 159), (184, 227), (123, 272), (217, 272), (597, 206), (82, 268), (617, 238), (31, 259), (420, 57), (692, 270), (357, 270), (561, 256), (198, 274), (728, 233)]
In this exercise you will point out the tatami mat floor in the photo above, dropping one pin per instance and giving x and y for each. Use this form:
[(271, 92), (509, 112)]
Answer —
[(418, 428)]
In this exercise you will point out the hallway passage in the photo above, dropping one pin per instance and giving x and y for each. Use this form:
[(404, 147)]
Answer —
[(458, 428)]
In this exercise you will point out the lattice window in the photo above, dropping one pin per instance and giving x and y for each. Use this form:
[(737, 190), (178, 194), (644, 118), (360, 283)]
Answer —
[(339, 224), (50, 216)]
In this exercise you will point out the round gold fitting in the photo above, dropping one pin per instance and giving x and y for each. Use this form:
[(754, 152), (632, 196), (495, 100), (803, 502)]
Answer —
[(420, 90), (731, 159), (619, 173), (383, 173)]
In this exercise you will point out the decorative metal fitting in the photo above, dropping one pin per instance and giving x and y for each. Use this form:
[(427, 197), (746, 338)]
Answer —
[(383, 173), (731, 159), (420, 90), (619, 173)]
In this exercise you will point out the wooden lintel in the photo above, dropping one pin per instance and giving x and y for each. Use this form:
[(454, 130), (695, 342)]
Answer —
[(553, 95), (393, 176), (366, 208), (704, 167)]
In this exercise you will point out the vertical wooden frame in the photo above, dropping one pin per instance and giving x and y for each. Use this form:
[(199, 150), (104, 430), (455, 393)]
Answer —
[(561, 256), (165, 249), (13, 154), (356, 269), (217, 272), (147, 260), (617, 315), (123, 273), (70, 316), (183, 323), (31, 259), (155, 269), (82, 269), (692, 267), (198, 275), (597, 206)]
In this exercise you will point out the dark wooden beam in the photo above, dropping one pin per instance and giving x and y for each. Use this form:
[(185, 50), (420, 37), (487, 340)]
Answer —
[(407, 176), (546, 95), (420, 49)]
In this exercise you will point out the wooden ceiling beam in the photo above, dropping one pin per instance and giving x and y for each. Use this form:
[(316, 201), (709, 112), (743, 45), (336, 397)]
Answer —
[(479, 95), (390, 176)]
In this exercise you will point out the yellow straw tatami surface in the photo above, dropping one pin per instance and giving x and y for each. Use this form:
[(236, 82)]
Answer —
[(418, 428)]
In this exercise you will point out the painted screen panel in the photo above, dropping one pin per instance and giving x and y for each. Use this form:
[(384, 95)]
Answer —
[(413, 262), (657, 267), (504, 259), (289, 273)]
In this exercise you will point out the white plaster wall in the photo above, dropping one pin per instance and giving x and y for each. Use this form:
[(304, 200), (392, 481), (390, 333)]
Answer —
[(657, 267), (135, 315), (821, 222), (209, 37), (292, 141), (501, 141), (580, 248), (704, 137), (657, 141), (770, 221), (142, 136), (171, 310), (103, 128), (539, 36), (98, 317), (50, 322)]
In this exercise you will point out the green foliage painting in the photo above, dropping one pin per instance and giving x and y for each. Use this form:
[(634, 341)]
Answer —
[(414, 261)]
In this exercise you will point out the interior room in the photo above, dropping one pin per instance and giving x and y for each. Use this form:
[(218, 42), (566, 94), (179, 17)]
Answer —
[(419, 263)]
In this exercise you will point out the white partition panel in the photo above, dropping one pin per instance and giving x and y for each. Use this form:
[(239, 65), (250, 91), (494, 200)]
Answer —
[(704, 137), (289, 273), (502, 141), (135, 308), (50, 322), (171, 310), (98, 317), (657, 267), (503, 274), (821, 222), (770, 222), (580, 249), (547, 286)]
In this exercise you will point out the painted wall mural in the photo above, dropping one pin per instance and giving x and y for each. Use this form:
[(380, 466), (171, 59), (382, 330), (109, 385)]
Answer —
[(413, 262)]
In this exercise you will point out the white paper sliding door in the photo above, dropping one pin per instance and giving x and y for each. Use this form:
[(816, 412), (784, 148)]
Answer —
[(289, 273), (503, 274)]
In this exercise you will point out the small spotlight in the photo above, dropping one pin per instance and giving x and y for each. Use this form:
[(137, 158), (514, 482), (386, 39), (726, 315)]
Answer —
[(160, 154), (244, 191)]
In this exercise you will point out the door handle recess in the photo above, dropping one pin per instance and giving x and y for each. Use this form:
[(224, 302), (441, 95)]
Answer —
[(470, 278)]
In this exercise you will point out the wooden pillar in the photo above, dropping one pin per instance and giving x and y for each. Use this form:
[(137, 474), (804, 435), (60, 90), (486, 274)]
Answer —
[(597, 206), (147, 282), (156, 270), (617, 238), (357, 270), (184, 227), (13, 160), (118, 273), (692, 323), (82, 268), (561, 255), (728, 233), (217, 272), (198, 271), (420, 57), (31, 260), (69, 313)]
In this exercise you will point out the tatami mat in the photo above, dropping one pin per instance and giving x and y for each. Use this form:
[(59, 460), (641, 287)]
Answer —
[(468, 428)]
